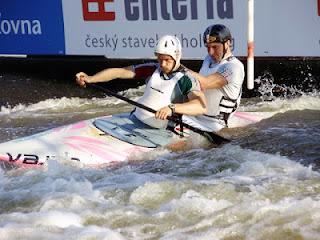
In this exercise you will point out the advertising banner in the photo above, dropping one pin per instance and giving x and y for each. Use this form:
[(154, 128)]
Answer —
[(31, 27), (130, 28)]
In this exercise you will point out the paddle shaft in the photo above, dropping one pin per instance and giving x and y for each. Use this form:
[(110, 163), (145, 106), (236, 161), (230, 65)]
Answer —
[(211, 136)]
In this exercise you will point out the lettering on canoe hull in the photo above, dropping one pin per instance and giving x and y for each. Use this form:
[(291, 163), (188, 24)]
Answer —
[(24, 158)]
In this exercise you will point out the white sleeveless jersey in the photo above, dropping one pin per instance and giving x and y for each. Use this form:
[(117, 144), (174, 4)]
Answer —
[(157, 94), (233, 70), (222, 102)]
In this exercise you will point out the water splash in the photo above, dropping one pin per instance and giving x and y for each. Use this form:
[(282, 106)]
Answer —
[(269, 90)]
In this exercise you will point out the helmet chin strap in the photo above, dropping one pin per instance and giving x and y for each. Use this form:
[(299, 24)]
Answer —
[(175, 67), (224, 51)]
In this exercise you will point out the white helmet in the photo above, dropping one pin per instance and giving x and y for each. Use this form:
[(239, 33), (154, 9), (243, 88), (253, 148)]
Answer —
[(169, 45)]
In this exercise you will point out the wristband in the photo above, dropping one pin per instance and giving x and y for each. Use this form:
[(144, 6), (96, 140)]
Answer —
[(172, 108)]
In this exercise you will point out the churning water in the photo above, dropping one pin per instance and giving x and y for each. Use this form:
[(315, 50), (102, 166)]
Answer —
[(264, 185)]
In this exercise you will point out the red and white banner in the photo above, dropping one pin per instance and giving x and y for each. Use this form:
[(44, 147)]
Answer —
[(131, 28)]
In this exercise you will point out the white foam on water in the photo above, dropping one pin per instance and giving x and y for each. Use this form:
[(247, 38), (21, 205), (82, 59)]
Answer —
[(267, 196), (193, 204), (153, 194), (93, 232), (52, 204), (56, 219), (147, 156), (229, 192), (20, 231), (64, 104), (254, 195), (56, 106), (125, 179), (304, 102)]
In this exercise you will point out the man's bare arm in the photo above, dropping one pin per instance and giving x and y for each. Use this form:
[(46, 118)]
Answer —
[(212, 81), (105, 75)]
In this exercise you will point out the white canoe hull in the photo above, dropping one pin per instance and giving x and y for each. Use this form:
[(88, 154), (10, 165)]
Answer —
[(82, 142)]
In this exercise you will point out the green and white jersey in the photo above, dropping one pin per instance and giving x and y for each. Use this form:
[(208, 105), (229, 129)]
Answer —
[(161, 90)]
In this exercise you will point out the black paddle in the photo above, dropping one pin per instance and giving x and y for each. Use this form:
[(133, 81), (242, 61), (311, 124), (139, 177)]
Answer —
[(211, 136)]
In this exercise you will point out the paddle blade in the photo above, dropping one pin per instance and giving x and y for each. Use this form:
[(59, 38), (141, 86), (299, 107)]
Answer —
[(215, 138)]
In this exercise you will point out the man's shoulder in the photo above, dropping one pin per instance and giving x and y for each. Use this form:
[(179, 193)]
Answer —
[(188, 83), (182, 69), (145, 70), (187, 76), (232, 63), (234, 60), (153, 65), (232, 70)]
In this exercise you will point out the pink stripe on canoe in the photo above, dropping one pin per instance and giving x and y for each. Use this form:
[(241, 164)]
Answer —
[(248, 116), (96, 147), (78, 125), (75, 126)]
